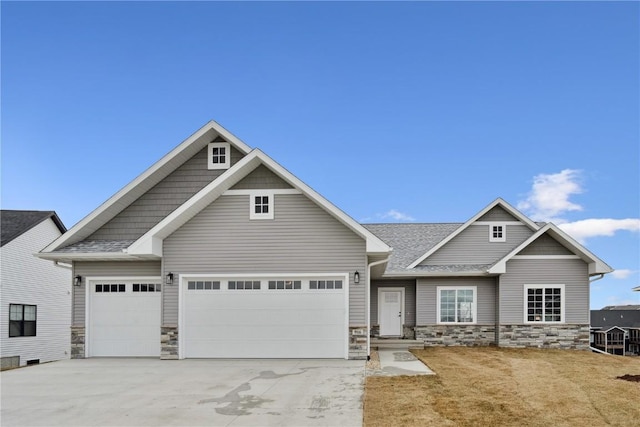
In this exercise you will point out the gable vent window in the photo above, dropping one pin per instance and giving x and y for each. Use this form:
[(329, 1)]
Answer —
[(219, 155), (498, 233), (261, 205)]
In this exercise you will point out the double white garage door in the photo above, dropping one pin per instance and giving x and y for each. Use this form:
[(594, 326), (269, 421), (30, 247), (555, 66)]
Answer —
[(227, 317)]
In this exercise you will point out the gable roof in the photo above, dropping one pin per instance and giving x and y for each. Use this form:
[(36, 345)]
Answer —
[(145, 181), (498, 202), (596, 265), (15, 223), (150, 244), (73, 246)]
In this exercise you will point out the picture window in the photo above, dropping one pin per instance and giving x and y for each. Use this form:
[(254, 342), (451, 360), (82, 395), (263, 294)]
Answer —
[(456, 305)]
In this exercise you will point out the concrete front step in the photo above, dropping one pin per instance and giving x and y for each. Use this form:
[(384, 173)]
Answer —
[(395, 344)]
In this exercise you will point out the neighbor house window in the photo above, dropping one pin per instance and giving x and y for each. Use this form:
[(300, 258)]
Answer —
[(261, 205), (497, 233), (456, 304), (544, 303), (22, 320), (219, 155)]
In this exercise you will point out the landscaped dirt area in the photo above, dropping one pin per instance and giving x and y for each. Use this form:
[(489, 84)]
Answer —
[(488, 386)]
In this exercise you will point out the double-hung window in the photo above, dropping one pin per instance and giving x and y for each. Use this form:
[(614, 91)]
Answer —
[(457, 304), (22, 320), (544, 303)]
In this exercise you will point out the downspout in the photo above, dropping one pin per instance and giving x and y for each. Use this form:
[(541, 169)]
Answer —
[(590, 346), (368, 302)]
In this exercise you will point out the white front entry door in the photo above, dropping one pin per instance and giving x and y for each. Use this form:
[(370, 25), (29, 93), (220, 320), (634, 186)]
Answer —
[(390, 303)]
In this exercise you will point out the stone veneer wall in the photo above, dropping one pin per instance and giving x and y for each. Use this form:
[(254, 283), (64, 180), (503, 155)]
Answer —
[(77, 342), (358, 342), (545, 336), (408, 332), (168, 342), (466, 335)]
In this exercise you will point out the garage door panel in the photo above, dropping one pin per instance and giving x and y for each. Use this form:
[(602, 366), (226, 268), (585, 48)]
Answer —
[(264, 323), (124, 323)]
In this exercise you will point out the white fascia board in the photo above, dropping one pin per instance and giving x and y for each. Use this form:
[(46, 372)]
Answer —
[(223, 183), (506, 206), (136, 188), (151, 242), (596, 265), (93, 256), (374, 245)]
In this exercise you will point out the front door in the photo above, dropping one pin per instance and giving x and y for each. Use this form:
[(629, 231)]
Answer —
[(390, 303)]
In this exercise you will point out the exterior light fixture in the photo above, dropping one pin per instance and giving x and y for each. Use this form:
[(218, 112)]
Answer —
[(77, 280), (169, 279), (356, 277)]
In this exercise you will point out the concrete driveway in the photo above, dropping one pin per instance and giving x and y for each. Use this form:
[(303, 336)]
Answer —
[(151, 392)]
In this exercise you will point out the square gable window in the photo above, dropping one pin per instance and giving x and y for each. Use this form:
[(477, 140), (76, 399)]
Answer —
[(261, 205), (497, 233), (219, 155)]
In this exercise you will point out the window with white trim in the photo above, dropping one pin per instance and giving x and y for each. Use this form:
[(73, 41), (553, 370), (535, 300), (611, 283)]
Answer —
[(219, 155), (456, 304), (261, 205), (544, 303), (497, 233), (22, 320)]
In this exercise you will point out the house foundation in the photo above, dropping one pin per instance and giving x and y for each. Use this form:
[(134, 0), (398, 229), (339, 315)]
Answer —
[(169, 342), (77, 342)]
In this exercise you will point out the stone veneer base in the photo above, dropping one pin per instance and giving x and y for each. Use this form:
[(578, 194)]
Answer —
[(463, 335), (77, 342), (169, 342), (574, 336)]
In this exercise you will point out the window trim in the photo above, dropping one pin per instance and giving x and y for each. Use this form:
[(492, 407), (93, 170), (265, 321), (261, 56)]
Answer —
[(474, 307), (23, 321), (563, 298), (270, 205), (227, 163), (503, 238)]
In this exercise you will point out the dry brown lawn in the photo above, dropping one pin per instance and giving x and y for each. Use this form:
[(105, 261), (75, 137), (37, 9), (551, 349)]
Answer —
[(488, 386)]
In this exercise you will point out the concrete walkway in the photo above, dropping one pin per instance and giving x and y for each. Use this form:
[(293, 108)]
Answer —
[(398, 362)]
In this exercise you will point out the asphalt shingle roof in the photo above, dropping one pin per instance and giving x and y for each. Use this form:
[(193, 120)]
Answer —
[(96, 246), (410, 241), (14, 223)]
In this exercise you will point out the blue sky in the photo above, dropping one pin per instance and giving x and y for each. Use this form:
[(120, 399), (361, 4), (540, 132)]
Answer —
[(409, 111)]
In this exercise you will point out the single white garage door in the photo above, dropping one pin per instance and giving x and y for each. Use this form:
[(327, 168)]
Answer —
[(294, 317), (124, 318)]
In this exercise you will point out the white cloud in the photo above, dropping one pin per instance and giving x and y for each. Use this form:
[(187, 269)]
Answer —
[(622, 273), (549, 196), (548, 200), (583, 229), (393, 215), (397, 216)]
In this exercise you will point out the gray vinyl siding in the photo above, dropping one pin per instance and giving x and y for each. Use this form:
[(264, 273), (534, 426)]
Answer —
[(427, 298), (572, 273), (106, 269), (261, 178), (498, 214), (545, 245), (302, 238), (153, 206), (409, 299), (472, 246)]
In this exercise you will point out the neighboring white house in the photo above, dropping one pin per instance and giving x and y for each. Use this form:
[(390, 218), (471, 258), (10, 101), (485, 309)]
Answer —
[(35, 294)]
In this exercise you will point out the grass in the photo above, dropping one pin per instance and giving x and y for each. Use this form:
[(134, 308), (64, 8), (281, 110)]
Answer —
[(489, 386)]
